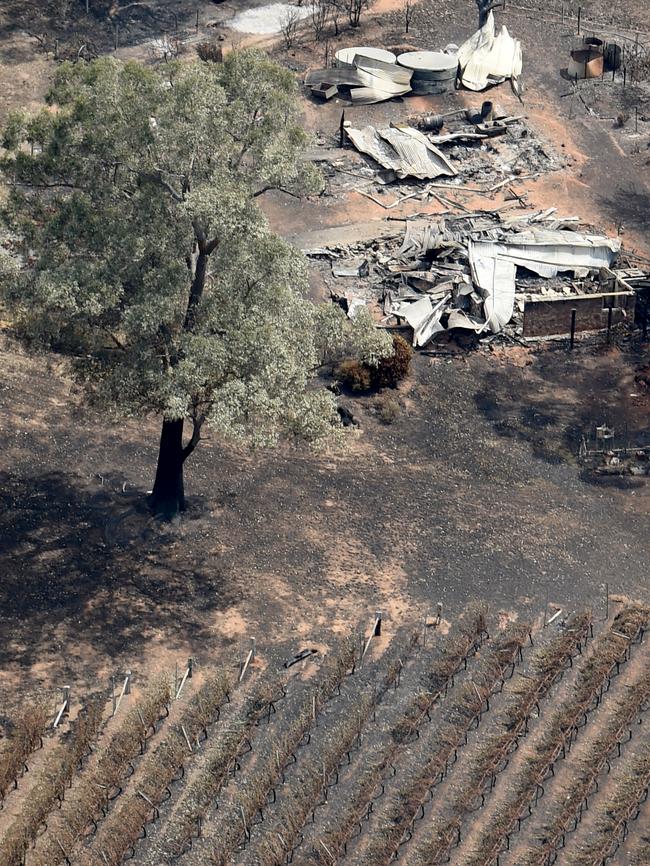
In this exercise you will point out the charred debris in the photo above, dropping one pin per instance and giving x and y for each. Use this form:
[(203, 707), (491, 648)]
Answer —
[(501, 272)]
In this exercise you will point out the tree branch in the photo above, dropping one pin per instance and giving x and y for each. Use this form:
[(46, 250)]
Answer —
[(195, 438), (116, 340), (159, 180), (211, 246), (272, 187)]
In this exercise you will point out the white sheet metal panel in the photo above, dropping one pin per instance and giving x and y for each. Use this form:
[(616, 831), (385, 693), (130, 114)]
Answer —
[(369, 95), (415, 313), (431, 326), (345, 76), (495, 277), (487, 58), (381, 69), (548, 253), (460, 319)]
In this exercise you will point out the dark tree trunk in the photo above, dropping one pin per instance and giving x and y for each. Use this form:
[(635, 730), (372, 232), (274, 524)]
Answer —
[(168, 496), (484, 9)]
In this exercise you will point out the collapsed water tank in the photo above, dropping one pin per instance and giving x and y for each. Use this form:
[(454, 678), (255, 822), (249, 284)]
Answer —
[(345, 56), (433, 71), (587, 59)]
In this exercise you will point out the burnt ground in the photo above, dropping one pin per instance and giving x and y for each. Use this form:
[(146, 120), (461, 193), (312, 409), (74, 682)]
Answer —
[(473, 491)]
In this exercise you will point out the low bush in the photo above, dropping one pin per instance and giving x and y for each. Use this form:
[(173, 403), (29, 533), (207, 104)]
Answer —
[(388, 372), (391, 370), (387, 408), (210, 52), (354, 374)]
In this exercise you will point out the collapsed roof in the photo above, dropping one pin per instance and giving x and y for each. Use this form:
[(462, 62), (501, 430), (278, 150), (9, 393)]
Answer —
[(480, 296), (405, 150)]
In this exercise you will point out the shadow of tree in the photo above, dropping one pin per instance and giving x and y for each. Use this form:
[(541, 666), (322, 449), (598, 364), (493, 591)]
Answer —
[(82, 560)]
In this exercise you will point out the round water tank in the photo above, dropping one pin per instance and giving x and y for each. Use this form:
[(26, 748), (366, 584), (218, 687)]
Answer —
[(433, 71), (345, 56), (587, 62)]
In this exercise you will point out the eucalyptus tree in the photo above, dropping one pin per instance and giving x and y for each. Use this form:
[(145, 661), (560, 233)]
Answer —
[(139, 249)]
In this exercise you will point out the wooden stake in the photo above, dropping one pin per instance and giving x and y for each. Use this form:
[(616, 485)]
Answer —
[(249, 658), (65, 706), (187, 739)]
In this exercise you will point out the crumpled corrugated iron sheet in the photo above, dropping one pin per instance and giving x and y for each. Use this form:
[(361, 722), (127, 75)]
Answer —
[(404, 150), (489, 58), (495, 277), (548, 253), (369, 81), (493, 256)]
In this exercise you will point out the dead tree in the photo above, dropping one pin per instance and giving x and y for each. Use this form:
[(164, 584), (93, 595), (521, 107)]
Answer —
[(320, 13), (484, 9), (409, 9), (336, 10), (289, 27), (355, 8)]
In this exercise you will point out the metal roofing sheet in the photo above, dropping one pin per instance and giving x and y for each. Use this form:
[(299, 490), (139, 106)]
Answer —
[(380, 69), (487, 57), (405, 150)]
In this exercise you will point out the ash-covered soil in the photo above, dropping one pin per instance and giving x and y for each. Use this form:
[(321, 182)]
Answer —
[(473, 491)]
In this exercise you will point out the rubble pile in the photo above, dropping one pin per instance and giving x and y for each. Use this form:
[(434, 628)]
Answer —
[(474, 272), (626, 463), (470, 157)]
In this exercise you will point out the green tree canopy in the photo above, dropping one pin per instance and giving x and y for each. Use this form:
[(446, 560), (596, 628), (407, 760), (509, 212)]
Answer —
[(140, 250)]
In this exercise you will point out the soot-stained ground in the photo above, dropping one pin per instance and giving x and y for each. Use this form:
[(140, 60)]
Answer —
[(472, 491)]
